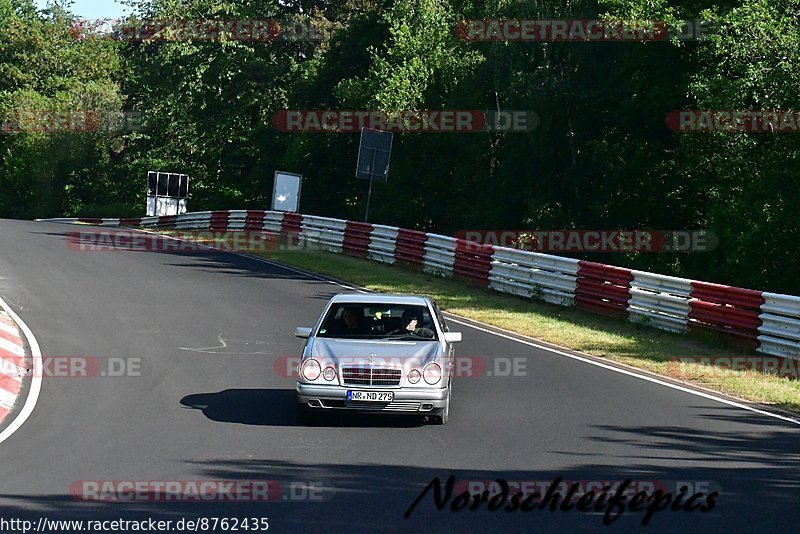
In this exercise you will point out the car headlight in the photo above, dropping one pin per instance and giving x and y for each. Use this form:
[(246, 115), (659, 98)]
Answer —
[(310, 369), (414, 376), (329, 373), (433, 373)]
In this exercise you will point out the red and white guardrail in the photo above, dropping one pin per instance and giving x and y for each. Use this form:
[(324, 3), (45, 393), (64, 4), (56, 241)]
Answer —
[(769, 322)]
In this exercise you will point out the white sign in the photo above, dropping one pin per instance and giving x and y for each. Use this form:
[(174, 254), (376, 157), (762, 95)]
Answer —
[(286, 191), (167, 193)]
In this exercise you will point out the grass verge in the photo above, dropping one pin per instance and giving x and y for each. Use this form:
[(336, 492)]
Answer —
[(614, 339)]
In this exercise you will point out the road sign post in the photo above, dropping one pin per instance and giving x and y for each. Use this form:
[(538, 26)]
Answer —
[(374, 154)]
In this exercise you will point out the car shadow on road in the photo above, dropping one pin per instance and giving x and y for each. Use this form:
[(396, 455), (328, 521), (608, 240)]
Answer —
[(276, 407)]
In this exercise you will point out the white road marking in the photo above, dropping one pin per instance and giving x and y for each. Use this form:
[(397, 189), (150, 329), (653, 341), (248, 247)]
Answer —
[(224, 345)]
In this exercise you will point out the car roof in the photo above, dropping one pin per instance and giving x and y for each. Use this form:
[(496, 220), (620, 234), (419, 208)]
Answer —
[(379, 298)]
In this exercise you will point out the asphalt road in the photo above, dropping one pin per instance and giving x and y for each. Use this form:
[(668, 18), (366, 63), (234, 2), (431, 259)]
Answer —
[(208, 328)]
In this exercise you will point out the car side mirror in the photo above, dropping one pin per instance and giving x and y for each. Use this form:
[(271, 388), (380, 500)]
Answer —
[(302, 332), (452, 337)]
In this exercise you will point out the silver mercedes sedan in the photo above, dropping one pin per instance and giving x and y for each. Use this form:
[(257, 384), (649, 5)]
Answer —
[(377, 353)]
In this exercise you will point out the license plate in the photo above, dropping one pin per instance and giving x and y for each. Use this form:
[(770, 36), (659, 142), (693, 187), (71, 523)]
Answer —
[(370, 396)]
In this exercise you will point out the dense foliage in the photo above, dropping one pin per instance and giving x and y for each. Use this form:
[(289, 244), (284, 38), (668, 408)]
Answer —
[(602, 156)]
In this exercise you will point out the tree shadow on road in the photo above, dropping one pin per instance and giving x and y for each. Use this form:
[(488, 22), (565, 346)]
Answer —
[(322, 497)]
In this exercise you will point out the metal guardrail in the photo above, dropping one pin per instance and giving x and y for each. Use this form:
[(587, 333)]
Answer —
[(534, 275), (779, 332), (660, 301), (729, 310), (383, 243)]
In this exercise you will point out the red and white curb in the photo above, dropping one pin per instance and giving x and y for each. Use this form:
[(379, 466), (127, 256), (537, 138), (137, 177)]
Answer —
[(14, 365)]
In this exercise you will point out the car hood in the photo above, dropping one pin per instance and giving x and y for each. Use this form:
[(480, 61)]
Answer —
[(404, 355)]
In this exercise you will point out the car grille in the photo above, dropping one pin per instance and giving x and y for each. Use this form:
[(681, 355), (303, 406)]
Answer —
[(364, 376), (391, 407)]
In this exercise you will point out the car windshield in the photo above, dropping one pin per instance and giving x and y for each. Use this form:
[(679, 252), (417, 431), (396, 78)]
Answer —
[(379, 321)]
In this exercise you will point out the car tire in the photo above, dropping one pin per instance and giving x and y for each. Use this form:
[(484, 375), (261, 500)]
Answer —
[(443, 415)]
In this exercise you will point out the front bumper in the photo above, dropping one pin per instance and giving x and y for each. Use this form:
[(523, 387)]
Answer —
[(406, 399)]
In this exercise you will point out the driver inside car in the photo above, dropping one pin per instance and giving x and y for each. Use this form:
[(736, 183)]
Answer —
[(412, 323)]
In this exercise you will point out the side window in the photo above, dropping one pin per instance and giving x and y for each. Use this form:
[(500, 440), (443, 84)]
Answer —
[(440, 318)]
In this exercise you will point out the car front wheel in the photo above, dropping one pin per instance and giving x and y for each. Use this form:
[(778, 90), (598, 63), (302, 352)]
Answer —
[(444, 414)]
